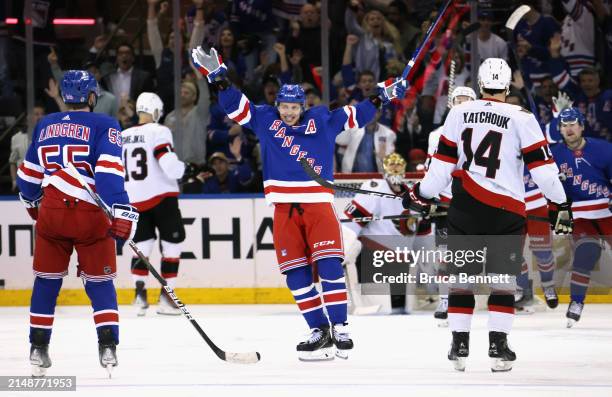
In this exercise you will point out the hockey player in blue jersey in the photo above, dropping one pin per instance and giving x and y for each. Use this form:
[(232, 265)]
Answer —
[(587, 166), (306, 229), (67, 217)]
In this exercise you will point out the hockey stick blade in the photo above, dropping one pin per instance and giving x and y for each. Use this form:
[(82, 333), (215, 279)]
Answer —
[(237, 358), (330, 185), (516, 16)]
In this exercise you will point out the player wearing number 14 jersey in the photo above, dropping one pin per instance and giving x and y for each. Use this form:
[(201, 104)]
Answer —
[(482, 150), (151, 172), (67, 217)]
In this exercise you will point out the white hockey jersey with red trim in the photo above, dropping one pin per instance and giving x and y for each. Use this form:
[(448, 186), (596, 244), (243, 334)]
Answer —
[(486, 143), (432, 146), (151, 166)]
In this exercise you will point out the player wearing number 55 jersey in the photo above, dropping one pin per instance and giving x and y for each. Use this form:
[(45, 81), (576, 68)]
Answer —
[(483, 148), (68, 218), (151, 172)]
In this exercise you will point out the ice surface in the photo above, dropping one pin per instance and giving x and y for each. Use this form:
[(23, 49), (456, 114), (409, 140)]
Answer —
[(394, 355)]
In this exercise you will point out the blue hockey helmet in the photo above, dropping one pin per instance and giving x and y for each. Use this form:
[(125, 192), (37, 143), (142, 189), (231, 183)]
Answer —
[(76, 86), (571, 116), (292, 93)]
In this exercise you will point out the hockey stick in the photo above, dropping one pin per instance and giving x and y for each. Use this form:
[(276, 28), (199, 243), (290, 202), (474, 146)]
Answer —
[(510, 26), (433, 29), (330, 185), (237, 358), (388, 217)]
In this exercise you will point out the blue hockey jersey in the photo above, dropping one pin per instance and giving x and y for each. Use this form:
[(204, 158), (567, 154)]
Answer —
[(90, 141), (589, 172), (283, 146)]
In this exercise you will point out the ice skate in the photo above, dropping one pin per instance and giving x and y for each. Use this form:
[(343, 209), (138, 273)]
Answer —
[(523, 300), (140, 299), (550, 295), (574, 311), (107, 350), (502, 357), (343, 343), (460, 350), (166, 305), (39, 354), (441, 313), (318, 347)]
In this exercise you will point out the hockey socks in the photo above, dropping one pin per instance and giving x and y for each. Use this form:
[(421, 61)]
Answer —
[(42, 308), (460, 311), (333, 284), (586, 256), (300, 282), (104, 303), (501, 312)]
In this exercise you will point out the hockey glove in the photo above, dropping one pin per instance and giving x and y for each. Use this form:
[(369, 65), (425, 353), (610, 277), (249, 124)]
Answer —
[(561, 102), (210, 65), (391, 89), (31, 205), (414, 201), (125, 218), (561, 217)]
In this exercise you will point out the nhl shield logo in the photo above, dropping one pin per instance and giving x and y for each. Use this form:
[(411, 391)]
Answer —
[(107, 270), (283, 252)]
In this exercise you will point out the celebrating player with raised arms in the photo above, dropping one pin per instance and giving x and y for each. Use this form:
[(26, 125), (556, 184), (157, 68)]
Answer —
[(587, 166), (67, 217), (482, 150), (151, 172), (306, 228)]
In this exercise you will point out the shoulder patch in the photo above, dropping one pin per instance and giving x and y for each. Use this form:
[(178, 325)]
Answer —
[(373, 183)]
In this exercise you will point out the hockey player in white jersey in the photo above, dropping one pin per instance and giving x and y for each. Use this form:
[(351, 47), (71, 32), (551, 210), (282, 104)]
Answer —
[(151, 172), (365, 205), (458, 96), (482, 150)]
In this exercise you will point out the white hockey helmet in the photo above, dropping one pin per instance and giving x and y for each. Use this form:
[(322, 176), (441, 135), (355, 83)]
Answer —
[(150, 103), (462, 91), (495, 74)]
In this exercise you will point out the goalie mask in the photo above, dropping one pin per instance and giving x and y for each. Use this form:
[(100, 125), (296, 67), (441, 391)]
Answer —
[(394, 167)]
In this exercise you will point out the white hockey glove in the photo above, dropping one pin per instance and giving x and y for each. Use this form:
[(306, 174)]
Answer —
[(560, 102), (125, 218), (210, 65)]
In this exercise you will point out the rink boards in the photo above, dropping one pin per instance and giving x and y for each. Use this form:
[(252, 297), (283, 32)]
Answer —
[(228, 255)]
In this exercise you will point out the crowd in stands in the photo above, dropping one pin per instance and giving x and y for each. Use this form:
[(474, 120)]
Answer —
[(561, 46)]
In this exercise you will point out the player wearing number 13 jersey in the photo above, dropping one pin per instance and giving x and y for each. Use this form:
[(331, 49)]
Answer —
[(67, 217), (151, 172), (483, 148)]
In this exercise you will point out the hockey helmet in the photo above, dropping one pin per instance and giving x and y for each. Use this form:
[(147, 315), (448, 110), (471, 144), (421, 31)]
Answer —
[(150, 103), (292, 93), (495, 74), (571, 116), (76, 86), (462, 91), (394, 167)]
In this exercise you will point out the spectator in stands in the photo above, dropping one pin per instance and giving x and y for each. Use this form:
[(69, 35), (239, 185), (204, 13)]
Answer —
[(595, 104), (578, 34), (127, 80), (127, 113), (225, 179), (543, 100), (20, 143), (190, 137), (416, 160), (228, 49), (490, 45), (363, 149), (378, 38), (397, 14), (6, 84), (536, 30), (306, 37), (106, 103)]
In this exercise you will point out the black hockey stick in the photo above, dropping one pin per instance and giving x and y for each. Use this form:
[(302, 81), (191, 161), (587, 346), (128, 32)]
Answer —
[(388, 217), (510, 25), (330, 185), (237, 358)]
